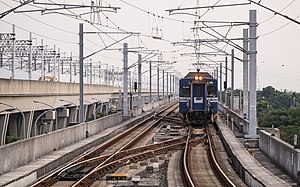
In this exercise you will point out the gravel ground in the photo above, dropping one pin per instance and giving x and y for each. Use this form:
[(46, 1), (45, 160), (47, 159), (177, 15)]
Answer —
[(157, 178)]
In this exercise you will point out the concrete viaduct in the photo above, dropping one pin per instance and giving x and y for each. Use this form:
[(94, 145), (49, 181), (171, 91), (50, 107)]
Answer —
[(29, 108)]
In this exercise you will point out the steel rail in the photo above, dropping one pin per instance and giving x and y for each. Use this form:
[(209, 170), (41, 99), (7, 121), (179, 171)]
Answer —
[(186, 170), (132, 142), (122, 154), (102, 171), (215, 163), (93, 152)]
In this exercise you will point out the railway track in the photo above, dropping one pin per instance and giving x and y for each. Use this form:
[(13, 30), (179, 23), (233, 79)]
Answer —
[(91, 166), (200, 166)]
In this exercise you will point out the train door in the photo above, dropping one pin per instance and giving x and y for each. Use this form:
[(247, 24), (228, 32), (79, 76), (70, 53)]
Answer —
[(198, 97)]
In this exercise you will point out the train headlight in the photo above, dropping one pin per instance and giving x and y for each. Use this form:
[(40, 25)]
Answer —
[(198, 78)]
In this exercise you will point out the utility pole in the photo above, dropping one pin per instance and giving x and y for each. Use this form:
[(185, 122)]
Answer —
[(221, 75), (163, 84), (226, 80), (71, 64), (173, 85), (42, 61), (252, 58), (54, 69), (125, 80), (1, 59), (232, 80), (30, 57), (91, 72), (13, 54), (99, 73), (167, 85), (113, 75), (81, 107), (217, 73), (170, 85), (157, 82), (245, 74), (139, 80), (150, 82), (58, 65)]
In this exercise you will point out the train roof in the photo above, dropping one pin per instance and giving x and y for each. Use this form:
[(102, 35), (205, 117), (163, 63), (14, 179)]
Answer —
[(194, 74)]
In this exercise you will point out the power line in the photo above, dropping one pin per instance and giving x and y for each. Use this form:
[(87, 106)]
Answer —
[(148, 12), (76, 16), (271, 32), (181, 3), (54, 27), (50, 38), (275, 14), (15, 8)]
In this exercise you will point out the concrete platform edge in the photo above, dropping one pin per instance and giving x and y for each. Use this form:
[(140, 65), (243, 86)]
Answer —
[(244, 169)]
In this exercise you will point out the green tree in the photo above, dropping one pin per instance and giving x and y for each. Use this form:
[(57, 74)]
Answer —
[(281, 109)]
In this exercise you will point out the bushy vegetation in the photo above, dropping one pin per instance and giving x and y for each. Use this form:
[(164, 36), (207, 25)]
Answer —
[(281, 109), (102, 114), (98, 115), (10, 139)]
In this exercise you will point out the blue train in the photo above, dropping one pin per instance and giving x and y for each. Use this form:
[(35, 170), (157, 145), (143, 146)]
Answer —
[(198, 98)]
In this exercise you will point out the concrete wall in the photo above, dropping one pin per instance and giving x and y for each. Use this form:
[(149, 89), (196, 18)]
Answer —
[(98, 125), (246, 166), (20, 93), (281, 153), (20, 153), (149, 106), (10, 87), (238, 119)]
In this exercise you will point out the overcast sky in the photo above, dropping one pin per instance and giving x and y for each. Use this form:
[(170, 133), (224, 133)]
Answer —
[(278, 42)]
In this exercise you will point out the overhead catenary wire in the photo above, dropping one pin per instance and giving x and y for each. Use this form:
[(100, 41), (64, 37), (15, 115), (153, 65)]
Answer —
[(78, 17), (54, 27), (210, 8), (94, 25), (266, 20), (50, 38), (275, 12), (273, 31), (151, 13), (48, 25)]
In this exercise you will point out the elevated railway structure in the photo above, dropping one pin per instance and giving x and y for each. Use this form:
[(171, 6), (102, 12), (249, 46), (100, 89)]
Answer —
[(38, 107), (97, 162), (43, 153)]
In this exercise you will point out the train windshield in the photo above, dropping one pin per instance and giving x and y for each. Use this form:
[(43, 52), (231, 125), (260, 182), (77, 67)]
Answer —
[(211, 91), (185, 91), (198, 92)]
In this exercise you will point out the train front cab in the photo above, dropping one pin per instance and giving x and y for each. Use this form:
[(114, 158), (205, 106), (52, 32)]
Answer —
[(199, 112), (198, 100)]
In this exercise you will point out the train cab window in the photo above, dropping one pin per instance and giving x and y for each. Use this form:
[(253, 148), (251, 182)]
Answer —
[(211, 91), (198, 90), (185, 91)]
